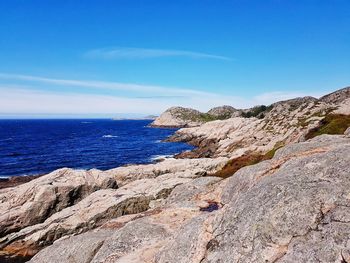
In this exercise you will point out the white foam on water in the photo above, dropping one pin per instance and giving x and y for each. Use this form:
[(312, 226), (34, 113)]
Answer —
[(109, 136), (8, 139), (160, 157)]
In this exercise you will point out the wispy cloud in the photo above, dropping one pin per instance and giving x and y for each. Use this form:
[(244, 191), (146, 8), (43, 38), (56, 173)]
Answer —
[(143, 53), (104, 85), (24, 96), (19, 101), (140, 98)]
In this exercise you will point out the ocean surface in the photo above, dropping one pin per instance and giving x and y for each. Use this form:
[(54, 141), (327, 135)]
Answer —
[(29, 147)]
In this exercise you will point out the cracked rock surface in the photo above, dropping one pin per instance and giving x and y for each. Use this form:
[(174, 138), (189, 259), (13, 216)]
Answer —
[(292, 208)]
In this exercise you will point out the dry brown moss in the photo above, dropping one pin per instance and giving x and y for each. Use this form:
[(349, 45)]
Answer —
[(235, 164)]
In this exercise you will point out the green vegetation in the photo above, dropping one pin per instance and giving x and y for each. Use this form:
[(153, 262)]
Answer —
[(270, 154), (258, 112), (331, 124), (234, 165), (205, 117), (202, 117)]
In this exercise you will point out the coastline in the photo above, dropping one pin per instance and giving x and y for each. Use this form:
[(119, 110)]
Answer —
[(110, 147), (15, 180), (249, 171)]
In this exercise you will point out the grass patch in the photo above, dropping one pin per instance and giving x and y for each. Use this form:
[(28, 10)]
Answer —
[(331, 124), (270, 154), (205, 117)]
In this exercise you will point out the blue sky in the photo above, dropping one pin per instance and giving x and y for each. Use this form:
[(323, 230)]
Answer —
[(100, 58)]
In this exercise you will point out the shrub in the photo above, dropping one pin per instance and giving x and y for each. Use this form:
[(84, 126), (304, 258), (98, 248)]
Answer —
[(257, 111)]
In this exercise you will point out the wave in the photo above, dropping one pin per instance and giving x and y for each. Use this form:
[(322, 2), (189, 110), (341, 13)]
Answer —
[(86, 122), (109, 136), (8, 139), (161, 157)]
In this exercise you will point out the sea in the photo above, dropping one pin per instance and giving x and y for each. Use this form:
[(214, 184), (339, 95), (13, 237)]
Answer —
[(34, 147)]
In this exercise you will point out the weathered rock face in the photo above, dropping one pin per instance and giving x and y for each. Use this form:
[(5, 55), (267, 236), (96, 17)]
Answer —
[(68, 202), (33, 202), (337, 96), (133, 238), (292, 208), (190, 168)]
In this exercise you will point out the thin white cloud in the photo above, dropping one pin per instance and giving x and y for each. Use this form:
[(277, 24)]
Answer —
[(19, 101), (19, 98), (103, 85), (144, 53)]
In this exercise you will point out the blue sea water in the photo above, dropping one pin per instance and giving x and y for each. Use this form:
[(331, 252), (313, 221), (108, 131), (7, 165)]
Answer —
[(30, 147)]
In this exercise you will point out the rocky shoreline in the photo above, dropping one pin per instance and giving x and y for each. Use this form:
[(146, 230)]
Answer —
[(262, 188)]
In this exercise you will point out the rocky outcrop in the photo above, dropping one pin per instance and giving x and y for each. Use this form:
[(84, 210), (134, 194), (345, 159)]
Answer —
[(68, 202), (178, 117), (31, 203), (337, 96), (293, 207), (263, 129), (192, 168), (224, 112)]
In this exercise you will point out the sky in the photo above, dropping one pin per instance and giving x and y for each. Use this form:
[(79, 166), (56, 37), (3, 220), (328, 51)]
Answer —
[(126, 57)]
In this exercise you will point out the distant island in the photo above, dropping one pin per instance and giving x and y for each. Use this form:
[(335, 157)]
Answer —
[(148, 117)]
